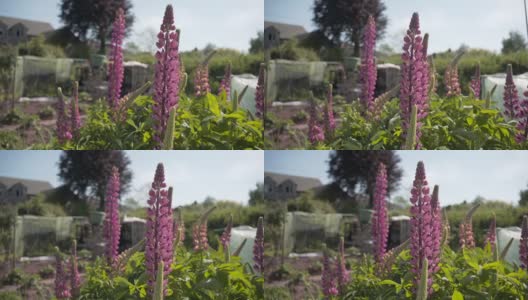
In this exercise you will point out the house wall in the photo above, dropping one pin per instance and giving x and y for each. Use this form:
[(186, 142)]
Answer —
[(271, 37), (3, 33), (279, 191), (17, 193)]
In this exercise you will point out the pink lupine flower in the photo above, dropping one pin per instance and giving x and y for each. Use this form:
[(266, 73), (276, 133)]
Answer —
[(329, 120), (204, 243), (343, 276), (414, 79), (475, 82), (465, 233), (63, 128), (436, 215), (115, 66), (225, 84), (328, 278), (62, 291), (380, 224), (258, 247), (112, 227), (167, 75), (196, 237), (259, 93), (422, 238), (491, 235), (522, 124), (74, 273), (523, 247), (462, 235), (511, 96), (159, 235), (225, 239), (75, 117), (451, 82), (315, 132), (201, 80), (368, 72)]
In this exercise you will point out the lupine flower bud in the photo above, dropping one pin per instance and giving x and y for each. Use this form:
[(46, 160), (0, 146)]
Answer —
[(159, 236), (115, 66), (75, 118), (491, 235), (343, 277), (475, 82), (380, 224), (196, 237), (511, 96), (422, 238), (225, 239), (368, 72), (451, 81), (328, 277), (225, 84), (201, 80), (63, 128), (523, 247), (329, 120), (522, 124), (259, 92), (437, 230), (258, 247), (414, 83), (112, 227), (62, 291), (315, 132), (203, 236), (167, 75), (74, 272)]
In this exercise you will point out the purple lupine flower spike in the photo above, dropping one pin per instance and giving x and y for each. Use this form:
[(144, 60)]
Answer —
[(167, 75), (475, 82), (259, 92), (204, 243), (329, 120), (414, 79), (74, 272), (225, 84), (225, 239), (258, 247), (511, 96), (315, 132), (201, 80), (422, 239), (451, 81), (112, 227), (159, 235), (468, 234), (491, 234), (328, 277), (62, 291), (436, 214), (115, 66), (523, 247), (343, 276), (75, 117), (63, 128), (368, 72), (380, 224), (462, 234), (522, 124)]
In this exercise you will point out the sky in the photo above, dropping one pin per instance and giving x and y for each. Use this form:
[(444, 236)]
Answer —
[(226, 23), (461, 175), (223, 175), (450, 23)]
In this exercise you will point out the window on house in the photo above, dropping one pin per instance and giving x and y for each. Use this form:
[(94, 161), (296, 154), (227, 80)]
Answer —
[(17, 193), (270, 37), (287, 189), (18, 33)]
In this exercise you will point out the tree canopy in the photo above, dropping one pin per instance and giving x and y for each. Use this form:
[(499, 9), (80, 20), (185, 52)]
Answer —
[(355, 172), (345, 19), (513, 43), (86, 173), (94, 16)]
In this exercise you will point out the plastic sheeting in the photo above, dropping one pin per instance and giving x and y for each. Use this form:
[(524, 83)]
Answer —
[(238, 83), (504, 235), (238, 234), (489, 81)]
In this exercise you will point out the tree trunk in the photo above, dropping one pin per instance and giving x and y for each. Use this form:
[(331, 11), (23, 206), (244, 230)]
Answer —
[(356, 42), (102, 41)]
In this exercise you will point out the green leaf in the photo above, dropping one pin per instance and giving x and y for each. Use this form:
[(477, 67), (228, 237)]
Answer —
[(457, 295), (212, 103)]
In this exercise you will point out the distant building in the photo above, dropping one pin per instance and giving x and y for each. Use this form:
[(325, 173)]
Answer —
[(282, 187), (14, 30), (16, 190), (276, 33)]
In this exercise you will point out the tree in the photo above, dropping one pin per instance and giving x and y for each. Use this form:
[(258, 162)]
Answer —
[(256, 196), (354, 172), (97, 16), (86, 173), (524, 198), (515, 42), (256, 45), (339, 19)]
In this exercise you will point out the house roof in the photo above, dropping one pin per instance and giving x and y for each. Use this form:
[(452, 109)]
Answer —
[(287, 31), (33, 186), (303, 183), (34, 27)]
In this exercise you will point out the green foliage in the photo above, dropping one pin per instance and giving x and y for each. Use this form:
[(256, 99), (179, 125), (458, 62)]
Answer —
[(472, 273), (277, 293), (142, 57), (37, 46), (46, 272), (291, 50), (308, 204), (10, 296), (10, 140), (523, 201), (46, 113), (513, 43), (195, 275), (256, 45), (452, 123), (37, 206)]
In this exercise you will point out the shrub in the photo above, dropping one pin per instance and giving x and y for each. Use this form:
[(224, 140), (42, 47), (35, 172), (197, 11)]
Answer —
[(46, 272), (46, 113), (10, 296), (10, 140), (291, 50), (39, 207), (37, 46)]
